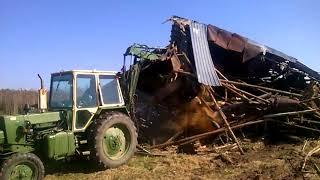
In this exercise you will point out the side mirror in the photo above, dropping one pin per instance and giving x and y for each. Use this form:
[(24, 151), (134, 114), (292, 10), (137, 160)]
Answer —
[(42, 99)]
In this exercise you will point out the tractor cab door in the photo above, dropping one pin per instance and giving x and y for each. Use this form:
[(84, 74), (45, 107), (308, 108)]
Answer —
[(86, 100)]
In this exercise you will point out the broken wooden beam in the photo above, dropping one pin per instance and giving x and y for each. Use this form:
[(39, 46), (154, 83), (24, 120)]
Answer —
[(204, 135), (261, 87)]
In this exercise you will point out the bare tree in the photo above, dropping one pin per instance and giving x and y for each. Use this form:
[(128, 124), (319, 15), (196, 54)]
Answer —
[(13, 101)]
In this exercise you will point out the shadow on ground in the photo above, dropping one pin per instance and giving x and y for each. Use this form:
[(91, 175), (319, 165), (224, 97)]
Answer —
[(72, 166)]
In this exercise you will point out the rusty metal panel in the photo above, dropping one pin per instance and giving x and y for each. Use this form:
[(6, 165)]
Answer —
[(251, 50), (226, 39), (234, 42), (204, 65)]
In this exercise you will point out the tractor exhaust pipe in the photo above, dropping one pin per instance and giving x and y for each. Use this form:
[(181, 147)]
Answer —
[(42, 96), (41, 82)]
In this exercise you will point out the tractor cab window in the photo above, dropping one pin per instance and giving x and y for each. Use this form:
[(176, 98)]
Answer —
[(86, 91), (109, 89), (61, 91)]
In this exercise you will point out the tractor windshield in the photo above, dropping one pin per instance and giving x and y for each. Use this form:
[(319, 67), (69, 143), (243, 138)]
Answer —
[(61, 91)]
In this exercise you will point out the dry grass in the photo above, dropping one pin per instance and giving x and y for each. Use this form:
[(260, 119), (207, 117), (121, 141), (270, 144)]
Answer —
[(259, 162)]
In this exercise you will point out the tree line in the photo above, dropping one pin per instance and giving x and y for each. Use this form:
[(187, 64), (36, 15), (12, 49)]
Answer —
[(13, 101)]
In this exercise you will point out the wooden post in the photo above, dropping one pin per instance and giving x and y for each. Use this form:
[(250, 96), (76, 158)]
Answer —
[(225, 121)]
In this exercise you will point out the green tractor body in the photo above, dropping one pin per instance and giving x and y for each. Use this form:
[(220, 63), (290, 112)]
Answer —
[(87, 116)]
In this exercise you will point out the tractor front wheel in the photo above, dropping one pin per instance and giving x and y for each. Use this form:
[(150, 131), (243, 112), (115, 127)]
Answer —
[(114, 139), (22, 166)]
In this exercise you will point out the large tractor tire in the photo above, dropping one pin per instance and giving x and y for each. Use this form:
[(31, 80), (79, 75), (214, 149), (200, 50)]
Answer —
[(26, 166), (113, 139)]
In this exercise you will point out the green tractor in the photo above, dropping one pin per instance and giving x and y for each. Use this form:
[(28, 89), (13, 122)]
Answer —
[(86, 116)]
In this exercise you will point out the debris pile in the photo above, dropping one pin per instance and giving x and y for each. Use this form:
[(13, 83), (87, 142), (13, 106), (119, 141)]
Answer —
[(209, 81)]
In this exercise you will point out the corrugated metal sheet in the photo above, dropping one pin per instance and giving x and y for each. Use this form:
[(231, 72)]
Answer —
[(204, 65)]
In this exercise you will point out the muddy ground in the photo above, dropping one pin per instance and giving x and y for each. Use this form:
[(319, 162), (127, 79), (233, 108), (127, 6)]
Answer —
[(261, 161)]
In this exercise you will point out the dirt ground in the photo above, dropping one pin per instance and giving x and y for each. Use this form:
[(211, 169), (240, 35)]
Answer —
[(261, 161)]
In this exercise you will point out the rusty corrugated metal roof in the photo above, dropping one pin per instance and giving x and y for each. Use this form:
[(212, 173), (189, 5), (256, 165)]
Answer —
[(250, 49)]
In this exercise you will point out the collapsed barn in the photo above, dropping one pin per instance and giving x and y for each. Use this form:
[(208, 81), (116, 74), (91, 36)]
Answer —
[(209, 81)]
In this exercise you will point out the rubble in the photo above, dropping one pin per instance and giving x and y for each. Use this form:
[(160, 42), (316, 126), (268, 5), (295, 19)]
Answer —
[(209, 81)]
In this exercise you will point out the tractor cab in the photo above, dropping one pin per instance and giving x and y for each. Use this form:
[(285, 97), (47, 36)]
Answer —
[(83, 93)]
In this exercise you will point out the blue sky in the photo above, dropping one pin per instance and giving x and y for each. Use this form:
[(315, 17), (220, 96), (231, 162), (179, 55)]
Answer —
[(44, 36)]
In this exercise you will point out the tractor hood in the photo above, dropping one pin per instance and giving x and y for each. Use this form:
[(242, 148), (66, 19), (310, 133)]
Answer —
[(13, 128), (40, 118)]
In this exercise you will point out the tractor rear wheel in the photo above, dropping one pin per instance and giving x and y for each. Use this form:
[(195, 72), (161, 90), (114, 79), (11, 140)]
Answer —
[(114, 139), (22, 166)]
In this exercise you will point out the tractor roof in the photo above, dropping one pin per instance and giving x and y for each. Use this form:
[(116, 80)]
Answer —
[(87, 71)]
